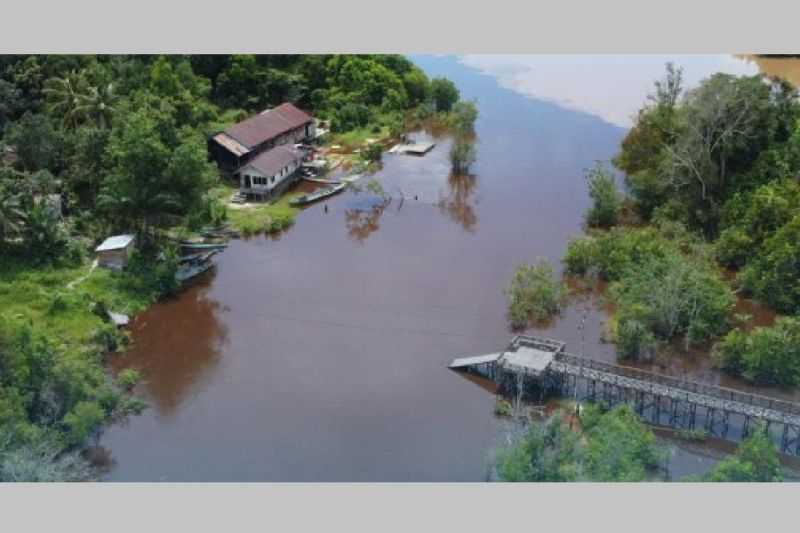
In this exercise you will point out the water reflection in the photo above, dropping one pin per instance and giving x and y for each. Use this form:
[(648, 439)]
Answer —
[(458, 204), (364, 219), (177, 343)]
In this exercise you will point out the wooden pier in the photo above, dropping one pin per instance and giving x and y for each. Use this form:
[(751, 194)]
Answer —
[(659, 399)]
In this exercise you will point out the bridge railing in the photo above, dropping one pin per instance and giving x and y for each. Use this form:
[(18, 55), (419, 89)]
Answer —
[(721, 393)]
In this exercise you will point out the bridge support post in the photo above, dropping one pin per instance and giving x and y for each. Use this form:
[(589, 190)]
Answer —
[(692, 414), (746, 427), (725, 415)]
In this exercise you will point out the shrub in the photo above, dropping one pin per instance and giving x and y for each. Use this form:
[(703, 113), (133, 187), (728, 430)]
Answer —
[(768, 355), (373, 152), (128, 378), (620, 447), (605, 197), (82, 420), (674, 296), (755, 460), (634, 340), (462, 155), (534, 293), (546, 452), (773, 274)]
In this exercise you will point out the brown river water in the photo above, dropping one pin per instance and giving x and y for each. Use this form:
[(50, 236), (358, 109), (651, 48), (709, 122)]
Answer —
[(320, 354)]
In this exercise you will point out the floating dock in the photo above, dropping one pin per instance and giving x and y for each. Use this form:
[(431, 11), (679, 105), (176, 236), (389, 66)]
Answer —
[(413, 149)]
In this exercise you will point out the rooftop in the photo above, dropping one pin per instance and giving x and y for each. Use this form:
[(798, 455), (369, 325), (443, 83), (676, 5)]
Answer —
[(265, 126), (116, 242), (273, 161)]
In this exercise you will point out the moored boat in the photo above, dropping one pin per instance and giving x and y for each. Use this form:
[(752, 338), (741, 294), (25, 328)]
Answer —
[(319, 194)]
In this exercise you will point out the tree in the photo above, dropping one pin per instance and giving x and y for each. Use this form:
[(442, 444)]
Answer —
[(726, 122), (156, 171), (773, 275), (546, 452), (755, 460), (10, 103), (620, 447), (38, 144), (534, 293), (767, 355), (614, 446), (604, 195), (444, 93), (464, 116), (462, 155), (63, 97)]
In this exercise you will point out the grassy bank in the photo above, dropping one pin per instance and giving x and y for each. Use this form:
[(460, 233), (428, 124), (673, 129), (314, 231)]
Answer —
[(251, 219)]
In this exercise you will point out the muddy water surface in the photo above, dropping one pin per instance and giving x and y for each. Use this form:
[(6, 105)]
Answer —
[(320, 354)]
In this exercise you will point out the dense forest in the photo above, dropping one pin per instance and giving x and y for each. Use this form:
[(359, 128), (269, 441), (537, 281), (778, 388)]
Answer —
[(91, 146)]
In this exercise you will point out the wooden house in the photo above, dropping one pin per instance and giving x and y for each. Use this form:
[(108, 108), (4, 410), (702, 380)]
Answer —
[(243, 142), (115, 251), (270, 173)]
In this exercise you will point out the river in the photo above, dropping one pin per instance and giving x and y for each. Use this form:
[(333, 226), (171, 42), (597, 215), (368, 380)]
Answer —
[(320, 354)]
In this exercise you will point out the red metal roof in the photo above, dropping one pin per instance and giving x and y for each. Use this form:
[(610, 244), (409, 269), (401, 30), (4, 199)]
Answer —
[(273, 161), (267, 125)]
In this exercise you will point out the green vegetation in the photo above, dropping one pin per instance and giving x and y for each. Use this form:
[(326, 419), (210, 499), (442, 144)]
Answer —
[(767, 356), (710, 171), (462, 123), (755, 460), (257, 218), (534, 293), (612, 446), (120, 143), (660, 290), (605, 197)]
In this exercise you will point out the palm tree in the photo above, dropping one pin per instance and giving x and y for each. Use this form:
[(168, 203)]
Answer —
[(98, 104), (63, 98)]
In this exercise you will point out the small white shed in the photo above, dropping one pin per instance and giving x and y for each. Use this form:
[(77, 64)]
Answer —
[(115, 251)]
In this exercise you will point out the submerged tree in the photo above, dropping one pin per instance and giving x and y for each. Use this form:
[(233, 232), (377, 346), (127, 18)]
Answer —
[(534, 293), (605, 197), (462, 155)]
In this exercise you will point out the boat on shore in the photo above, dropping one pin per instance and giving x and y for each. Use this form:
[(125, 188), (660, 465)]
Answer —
[(319, 194), (190, 270)]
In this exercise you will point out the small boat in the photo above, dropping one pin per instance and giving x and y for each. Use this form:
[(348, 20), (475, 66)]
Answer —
[(191, 270), (318, 194)]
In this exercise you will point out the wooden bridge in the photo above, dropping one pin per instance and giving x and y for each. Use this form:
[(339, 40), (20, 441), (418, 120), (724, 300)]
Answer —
[(659, 399)]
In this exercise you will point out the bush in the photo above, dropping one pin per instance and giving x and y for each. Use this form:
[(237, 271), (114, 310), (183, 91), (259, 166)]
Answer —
[(82, 421), (546, 452), (634, 339), (768, 355), (773, 274), (674, 296), (605, 198), (128, 378), (534, 294), (755, 460), (444, 94), (615, 446), (620, 447), (373, 152), (610, 254), (462, 155)]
